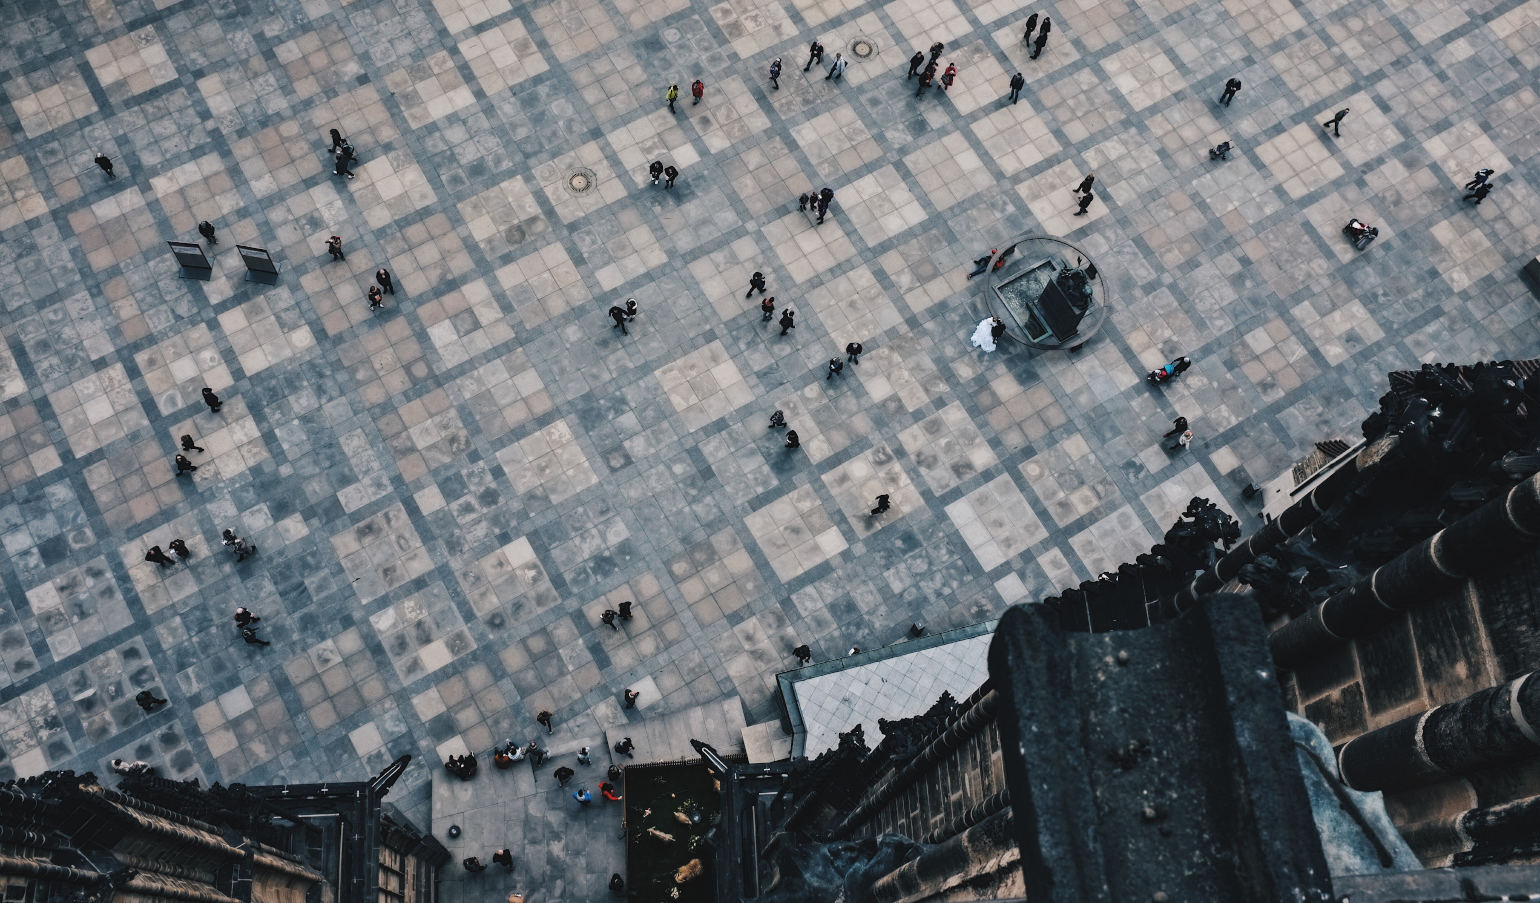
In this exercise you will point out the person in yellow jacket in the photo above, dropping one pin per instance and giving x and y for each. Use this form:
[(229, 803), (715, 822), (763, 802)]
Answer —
[(671, 96)]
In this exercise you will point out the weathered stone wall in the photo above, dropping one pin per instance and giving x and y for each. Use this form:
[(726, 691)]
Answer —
[(969, 775), (1441, 651)]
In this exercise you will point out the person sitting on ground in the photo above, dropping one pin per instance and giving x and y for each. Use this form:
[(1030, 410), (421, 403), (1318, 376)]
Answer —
[(982, 263)]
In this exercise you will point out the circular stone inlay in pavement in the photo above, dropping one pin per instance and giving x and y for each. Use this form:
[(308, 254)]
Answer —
[(862, 47), (581, 180)]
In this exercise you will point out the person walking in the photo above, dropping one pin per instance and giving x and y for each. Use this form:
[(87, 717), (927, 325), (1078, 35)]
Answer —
[(179, 546), (630, 696), (1178, 426), (883, 504), (249, 635), (1042, 40), (814, 55), (544, 720), (619, 316), (1018, 81), (1183, 440), (1335, 123), (212, 400), (631, 309), (803, 654), (915, 62), (334, 247), (1480, 194), (1478, 179), (788, 320), (777, 419), (1085, 184), (775, 73), (766, 309), (244, 618), (837, 69), (184, 466), (376, 298), (625, 747), (188, 444), (1031, 27), (607, 790), (655, 170), (793, 440), (584, 757), (1085, 203), (607, 618), (382, 276), (669, 175), (582, 796), (105, 163), (206, 229), (853, 352), (473, 865), (671, 95), (835, 366), (239, 547), (337, 141), (756, 281), (624, 610), (504, 858), (1231, 86), (159, 557), (563, 775), (148, 701), (697, 91), (342, 168), (824, 199), (936, 50), (925, 78), (949, 76)]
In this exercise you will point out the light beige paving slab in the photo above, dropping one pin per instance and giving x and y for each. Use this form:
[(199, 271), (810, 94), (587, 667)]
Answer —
[(137, 59), (98, 409), (458, 15), (503, 217), (948, 448), (795, 533), (1015, 136), (549, 463), (880, 205), (856, 484), (996, 522), (806, 250), (1299, 160), (389, 187), (575, 27), (47, 99), (704, 385), (546, 283), (502, 57)]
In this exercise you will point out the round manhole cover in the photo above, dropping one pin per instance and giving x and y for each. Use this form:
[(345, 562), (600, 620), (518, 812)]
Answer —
[(580, 181), (863, 47)]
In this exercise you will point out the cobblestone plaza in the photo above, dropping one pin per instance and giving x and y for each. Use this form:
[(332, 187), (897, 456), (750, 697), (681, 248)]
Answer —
[(446, 493)]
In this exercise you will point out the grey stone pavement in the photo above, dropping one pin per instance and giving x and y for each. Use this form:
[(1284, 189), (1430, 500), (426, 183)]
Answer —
[(447, 492)]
